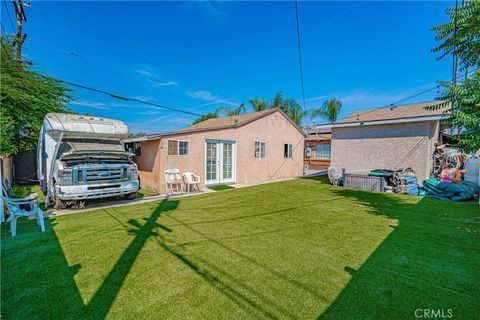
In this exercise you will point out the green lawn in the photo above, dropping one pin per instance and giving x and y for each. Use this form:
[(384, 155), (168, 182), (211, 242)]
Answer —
[(297, 249)]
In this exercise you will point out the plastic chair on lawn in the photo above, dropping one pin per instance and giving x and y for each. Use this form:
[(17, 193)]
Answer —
[(173, 178), (191, 179), (23, 207)]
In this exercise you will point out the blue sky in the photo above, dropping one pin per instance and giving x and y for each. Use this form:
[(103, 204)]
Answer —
[(199, 55)]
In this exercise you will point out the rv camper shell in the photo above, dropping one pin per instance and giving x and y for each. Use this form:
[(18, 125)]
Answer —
[(82, 157)]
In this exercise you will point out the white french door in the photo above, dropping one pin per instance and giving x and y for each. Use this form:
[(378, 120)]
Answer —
[(220, 161)]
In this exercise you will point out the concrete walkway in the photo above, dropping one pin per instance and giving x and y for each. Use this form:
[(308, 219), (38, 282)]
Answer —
[(119, 203)]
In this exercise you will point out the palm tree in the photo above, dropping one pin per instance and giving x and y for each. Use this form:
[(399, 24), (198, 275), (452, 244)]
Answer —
[(258, 104), (295, 111), (234, 111), (279, 102), (329, 110)]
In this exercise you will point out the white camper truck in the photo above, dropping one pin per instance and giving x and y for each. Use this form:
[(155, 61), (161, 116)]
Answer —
[(82, 157)]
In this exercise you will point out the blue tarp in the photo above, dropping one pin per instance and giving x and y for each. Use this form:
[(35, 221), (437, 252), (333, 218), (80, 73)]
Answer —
[(463, 191)]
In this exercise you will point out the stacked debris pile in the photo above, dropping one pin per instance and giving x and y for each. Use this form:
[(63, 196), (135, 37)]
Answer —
[(445, 156), (399, 181)]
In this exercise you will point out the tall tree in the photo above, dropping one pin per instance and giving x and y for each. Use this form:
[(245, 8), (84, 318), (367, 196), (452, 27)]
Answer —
[(258, 104), (330, 110), (26, 97), (234, 111), (461, 37), (295, 111), (210, 115), (279, 102)]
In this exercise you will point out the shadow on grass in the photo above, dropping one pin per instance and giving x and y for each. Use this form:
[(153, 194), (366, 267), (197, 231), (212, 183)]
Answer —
[(53, 293), (35, 271), (322, 179), (220, 187), (429, 261), (103, 299)]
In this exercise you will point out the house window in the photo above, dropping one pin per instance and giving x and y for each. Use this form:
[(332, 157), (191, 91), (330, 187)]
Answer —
[(183, 148), (323, 151), (308, 152), (260, 149), (287, 150), (177, 148)]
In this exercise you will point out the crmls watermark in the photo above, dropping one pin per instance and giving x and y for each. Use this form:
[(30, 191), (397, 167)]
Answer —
[(433, 313)]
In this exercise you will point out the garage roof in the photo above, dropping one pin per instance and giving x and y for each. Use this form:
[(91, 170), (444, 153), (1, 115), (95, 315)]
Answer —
[(413, 110)]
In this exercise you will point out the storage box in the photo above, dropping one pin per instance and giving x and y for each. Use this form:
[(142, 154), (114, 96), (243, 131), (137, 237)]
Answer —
[(364, 182)]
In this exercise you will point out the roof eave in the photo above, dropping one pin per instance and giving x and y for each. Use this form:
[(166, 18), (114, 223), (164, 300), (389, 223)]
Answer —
[(388, 121), (235, 125)]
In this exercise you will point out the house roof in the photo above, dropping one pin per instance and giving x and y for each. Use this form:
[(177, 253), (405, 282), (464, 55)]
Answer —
[(315, 129), (412, 110), (319, 137), (237, 120), (406, 113), (218, 123)]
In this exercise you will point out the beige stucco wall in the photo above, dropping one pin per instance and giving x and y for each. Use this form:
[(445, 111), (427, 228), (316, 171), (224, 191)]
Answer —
[(361, 149), (273, 129)]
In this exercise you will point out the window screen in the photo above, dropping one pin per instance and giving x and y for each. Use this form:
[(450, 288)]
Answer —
[(260, 149)]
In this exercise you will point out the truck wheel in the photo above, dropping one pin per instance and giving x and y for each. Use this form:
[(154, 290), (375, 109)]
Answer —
[(131, 196), (59, 204)]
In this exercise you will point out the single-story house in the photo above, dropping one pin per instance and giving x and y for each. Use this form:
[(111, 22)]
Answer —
[(317, 147), (246, 148), (387, 138)]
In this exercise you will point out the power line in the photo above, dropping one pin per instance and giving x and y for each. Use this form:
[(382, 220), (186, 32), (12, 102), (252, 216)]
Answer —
[(413, 96), (116, 96), (6, 36), (392, 105), (9, 16), (300, 54)]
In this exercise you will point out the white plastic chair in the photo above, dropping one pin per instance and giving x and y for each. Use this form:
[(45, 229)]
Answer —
[(23, 207), (191, 180), (173, 178)]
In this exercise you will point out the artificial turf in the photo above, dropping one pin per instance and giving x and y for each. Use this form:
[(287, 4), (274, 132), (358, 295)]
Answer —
[(298, 249), (221, 187)]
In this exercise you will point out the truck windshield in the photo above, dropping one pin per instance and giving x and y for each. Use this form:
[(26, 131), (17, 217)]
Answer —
[(91, 147)]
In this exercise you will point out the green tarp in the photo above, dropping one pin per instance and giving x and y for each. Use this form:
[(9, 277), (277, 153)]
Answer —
[(380, 174), (433, 188)]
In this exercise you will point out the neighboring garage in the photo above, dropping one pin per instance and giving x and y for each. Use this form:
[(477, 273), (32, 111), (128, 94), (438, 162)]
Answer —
[(387, 138)]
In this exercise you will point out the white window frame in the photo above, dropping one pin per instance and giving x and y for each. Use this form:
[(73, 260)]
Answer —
[(289, 154), (261, 143), (320, 145), (178, 147)]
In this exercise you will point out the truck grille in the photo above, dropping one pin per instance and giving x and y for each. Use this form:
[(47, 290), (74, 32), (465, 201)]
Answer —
[(93, 174)]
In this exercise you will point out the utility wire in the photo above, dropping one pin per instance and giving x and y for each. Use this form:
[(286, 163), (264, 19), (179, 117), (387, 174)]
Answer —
[(116, 96), (300, 54), (6, 36), (9, 16), (413, 96), (392, 105)]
